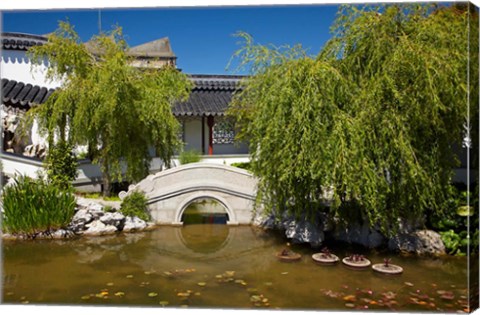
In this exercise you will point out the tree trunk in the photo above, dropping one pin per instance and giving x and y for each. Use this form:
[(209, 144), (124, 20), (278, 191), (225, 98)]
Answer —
[(107, 181), (107, 185)]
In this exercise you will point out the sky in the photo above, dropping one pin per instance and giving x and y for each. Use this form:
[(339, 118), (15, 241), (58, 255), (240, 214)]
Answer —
[(202, 38)]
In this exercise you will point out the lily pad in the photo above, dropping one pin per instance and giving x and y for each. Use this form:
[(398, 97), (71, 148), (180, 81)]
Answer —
[(163, 303), (255, 298), (119, 293), (85, 297), (129, 276), (152, 294), (183, 294), (350, 298), (110, 284), (201, 284)]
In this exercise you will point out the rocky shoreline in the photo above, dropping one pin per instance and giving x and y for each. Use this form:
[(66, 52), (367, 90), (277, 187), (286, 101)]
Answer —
[(91, 219), (411, 238)]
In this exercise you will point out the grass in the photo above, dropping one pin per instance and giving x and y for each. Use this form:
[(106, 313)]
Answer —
[(190, 156), (32, 206), (97, 196)]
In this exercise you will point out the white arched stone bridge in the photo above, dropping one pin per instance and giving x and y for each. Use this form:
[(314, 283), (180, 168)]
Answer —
[(171, 191)]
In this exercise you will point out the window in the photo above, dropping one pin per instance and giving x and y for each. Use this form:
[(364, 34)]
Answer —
[(223, 132)]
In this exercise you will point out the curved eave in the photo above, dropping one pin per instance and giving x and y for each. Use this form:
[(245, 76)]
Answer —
[(24, 96)]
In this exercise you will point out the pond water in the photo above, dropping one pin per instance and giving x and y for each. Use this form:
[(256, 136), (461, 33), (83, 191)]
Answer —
[(220, 266)]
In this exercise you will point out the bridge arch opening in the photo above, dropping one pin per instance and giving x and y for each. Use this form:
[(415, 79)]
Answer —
[(208, 207), (204, 210)]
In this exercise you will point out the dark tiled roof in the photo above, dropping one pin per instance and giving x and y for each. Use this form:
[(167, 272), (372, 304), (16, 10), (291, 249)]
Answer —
[(210, 96), (20, 41), (19, 94)]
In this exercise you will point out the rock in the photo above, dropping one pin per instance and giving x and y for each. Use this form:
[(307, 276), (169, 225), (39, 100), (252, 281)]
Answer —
[(267, 223), (38, 150), (304, 232), (60, 234), (410, 225), (96, 210), (99, 228), (134, 224), (82, 217), (420, 242), (113, 218), (359, 234)]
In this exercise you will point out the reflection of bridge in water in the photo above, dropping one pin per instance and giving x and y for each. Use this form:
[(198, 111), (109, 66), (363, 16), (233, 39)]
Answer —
[(207, 246), (170, 192)]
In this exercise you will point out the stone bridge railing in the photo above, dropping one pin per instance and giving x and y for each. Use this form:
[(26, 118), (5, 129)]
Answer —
[(170, 192)]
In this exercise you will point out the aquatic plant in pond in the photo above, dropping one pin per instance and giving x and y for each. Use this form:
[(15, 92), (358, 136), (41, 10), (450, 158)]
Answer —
[(31, 206)]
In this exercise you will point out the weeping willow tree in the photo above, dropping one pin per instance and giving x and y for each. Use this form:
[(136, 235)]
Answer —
[(118, 111), (370, 121)]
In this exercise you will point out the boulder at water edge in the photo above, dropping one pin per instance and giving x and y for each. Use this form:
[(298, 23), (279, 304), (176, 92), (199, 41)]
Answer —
[(134, 224), (97, 227), (420, 242)]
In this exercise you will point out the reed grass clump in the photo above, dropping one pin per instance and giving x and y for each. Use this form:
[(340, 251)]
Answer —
[(32, 206)]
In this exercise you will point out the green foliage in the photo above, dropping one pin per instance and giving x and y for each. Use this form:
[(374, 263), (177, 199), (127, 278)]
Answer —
[(372, 117), (189, 156), (242, 165), (61, 164), (455, 243), (117, 110), (32, 206), (108, 209), (453, 224), (135, 204)]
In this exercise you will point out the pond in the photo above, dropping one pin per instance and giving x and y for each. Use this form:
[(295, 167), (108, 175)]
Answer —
[(220, 266)]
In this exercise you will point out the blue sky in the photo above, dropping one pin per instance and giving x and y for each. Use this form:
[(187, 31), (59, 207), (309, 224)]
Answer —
[(201, 37)]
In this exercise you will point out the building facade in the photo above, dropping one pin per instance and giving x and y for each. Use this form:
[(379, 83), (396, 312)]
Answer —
[(205, 129)]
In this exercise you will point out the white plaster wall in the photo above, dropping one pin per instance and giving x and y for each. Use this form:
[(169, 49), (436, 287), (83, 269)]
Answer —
[(15, 65), (193, 135), (230, 148)]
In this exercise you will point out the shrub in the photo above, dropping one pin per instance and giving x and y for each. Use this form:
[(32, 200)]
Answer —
[(242, 165), (61, 164), (32, 206), (190, 156), (135, 204)]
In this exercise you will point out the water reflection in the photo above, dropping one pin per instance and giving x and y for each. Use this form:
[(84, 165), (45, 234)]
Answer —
[(227, 266), (205, 211), (205, 239)]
